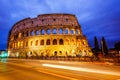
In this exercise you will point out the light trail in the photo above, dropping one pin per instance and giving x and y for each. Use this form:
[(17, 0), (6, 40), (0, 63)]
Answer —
[(82, 69), (62, 76)]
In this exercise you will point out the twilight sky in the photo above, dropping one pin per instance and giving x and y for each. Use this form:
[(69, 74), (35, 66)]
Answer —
[(97, 17)]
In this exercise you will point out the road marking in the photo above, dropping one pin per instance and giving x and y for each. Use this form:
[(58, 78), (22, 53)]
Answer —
[(82, 69), (66, 77)]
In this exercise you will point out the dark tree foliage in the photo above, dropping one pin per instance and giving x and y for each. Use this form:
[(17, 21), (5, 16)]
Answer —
[(117, 46), (104, 47), (96, 46)]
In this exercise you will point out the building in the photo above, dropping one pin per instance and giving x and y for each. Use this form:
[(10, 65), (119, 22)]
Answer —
[(48, 35)]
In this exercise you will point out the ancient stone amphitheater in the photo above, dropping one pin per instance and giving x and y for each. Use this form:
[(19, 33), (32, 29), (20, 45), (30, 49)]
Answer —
[(48, 35)]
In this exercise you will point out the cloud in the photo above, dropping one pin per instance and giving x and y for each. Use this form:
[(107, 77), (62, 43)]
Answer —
[(97, 17)]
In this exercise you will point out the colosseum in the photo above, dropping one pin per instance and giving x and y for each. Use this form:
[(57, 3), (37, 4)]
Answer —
[(48, 35)]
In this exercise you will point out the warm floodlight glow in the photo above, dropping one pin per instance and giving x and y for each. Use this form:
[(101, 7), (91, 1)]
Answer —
[(82, 69)]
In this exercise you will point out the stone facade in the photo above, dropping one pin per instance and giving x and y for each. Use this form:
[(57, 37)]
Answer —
[(48, 35)]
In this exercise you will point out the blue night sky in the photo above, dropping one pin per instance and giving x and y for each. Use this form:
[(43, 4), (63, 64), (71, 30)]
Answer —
[(97, 17)]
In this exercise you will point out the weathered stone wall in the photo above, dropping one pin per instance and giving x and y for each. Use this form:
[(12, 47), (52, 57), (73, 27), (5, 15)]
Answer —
[(61, 35)]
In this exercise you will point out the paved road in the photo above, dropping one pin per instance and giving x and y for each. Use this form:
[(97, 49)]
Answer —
[(22, 69)]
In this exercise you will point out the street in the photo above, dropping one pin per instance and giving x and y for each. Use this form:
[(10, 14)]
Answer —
[(27, 69)]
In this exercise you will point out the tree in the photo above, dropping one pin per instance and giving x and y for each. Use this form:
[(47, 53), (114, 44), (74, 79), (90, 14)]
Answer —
[(117, 46), (96, 44), (104, 47)]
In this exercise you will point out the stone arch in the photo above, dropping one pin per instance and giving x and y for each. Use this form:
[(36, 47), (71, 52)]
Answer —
[(26, 44), (60, 31), (55, 53), (36, 43), (27, 33), (77, 32), (73, 42), (19, 35), (48, 31), (79, 42), (42, 42), (37, 32), (48, 42), (32, 33), (67, 41), (60, 52), (54, 42), (42, 31), (54, 31), (72, 31), (31, 43), (22, 34), (66, 31), (61, 42)]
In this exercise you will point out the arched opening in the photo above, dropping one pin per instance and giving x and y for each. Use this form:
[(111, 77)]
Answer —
[(32, 33), (60, 52), (37, 32), (73, 41), (31, 43), (67, 42), (42, 42), (42, 31), (61, 31), (55, 53), (48, 31), (66, 31), (71, 31), (61, 41), (48, 42), (77, 32), (27, 33), (19, 35), (54, 42), (19, 44), (16, 36), (79, 42), (36, 43), (22, 35), (54, 31)]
